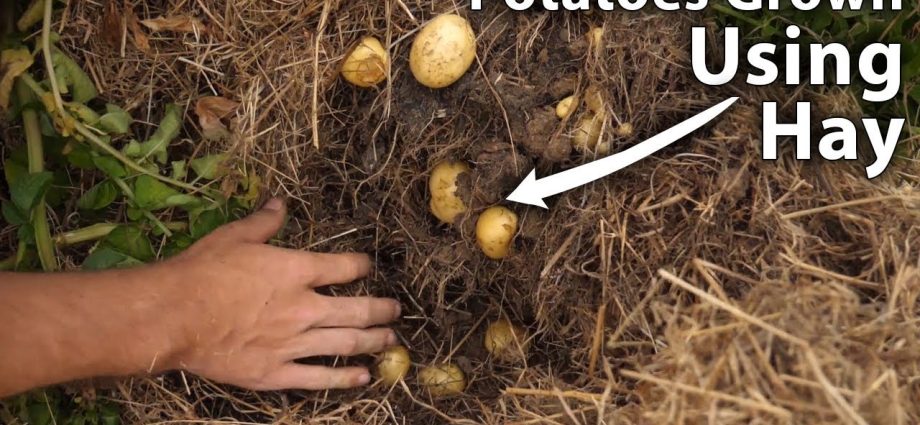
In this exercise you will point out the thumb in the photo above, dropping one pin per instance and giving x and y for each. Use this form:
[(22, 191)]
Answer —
[(259, 226)]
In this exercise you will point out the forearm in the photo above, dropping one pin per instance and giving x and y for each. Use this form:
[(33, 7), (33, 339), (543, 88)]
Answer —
[(61, 327)]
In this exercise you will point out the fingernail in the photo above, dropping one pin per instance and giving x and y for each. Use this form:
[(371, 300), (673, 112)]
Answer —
[(398, 311), (364, 379), (273, 204)]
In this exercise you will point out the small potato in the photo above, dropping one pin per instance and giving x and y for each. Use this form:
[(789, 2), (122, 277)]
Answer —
[(587, 133), (442, 51), (367, 64), (494, 231), (595, 37), (442, 380), (594, 100), (445, 203), (566, 106), (506, 341), (393, 364), (625, 130)]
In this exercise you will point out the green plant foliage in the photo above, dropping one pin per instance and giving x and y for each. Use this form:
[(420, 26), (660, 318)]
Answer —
[(27, 191), (151, 194), (51, 406), (118, 183), (110, 166), (99, 196), (156, 145), (115, 120), (208, 167), (79, 85)]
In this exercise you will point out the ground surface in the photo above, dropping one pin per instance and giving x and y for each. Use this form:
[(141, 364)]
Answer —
[(806, 306)]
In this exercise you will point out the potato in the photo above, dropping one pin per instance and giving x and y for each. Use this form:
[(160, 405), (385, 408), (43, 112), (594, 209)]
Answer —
[(594, 100), (625, 130), (393, 364), (587, 133), (445, 203), (366, 64), (442, 51), (506, 341), (494, 231), (442, 380), (595, 37), (566, 106)]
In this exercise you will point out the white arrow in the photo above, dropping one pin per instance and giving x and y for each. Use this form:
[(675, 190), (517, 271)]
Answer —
[(532, 191)]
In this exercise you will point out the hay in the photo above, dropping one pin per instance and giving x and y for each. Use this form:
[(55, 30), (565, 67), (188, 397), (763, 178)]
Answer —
[(704, 285)]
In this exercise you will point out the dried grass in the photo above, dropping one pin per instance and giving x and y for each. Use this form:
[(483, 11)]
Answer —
[(704, 285)]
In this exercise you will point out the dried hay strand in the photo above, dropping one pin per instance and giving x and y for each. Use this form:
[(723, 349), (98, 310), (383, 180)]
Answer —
[(702, 285)]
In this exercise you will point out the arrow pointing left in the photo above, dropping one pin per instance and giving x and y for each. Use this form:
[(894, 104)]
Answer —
[(532, 191)]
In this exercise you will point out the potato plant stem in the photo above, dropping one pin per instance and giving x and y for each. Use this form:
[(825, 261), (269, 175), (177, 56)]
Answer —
[(90, 233), (36, 165), (46, 52)]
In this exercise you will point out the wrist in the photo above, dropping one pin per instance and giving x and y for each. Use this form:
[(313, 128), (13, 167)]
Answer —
[(168, 315)]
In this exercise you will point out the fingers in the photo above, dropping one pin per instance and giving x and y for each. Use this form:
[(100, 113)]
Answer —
[(259, 226), (297, 376), (332, 269), (340, 342), (357, 312)]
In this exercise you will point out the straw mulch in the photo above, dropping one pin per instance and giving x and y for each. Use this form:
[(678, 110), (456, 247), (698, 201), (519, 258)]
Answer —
[(703, 285)]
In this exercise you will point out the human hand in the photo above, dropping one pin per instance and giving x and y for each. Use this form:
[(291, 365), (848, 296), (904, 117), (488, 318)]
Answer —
[(248, 310)]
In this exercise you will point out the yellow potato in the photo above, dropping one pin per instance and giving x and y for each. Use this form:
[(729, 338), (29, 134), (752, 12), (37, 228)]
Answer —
[(587, 133), (393, 364), (506, 341), (494, 231), (445, 203), (625, 130), (442, 51), (367, 63), (442, 380), (566, 106), (594, 100), (595, 37)]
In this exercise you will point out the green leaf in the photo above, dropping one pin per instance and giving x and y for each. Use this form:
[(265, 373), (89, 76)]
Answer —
[(131, 241), (56, 194), (107, 258), (178, 243), (27, 192), (110, 166), (179, 170), (80, 156), (156, 145), (41, 413), (83, 113), (13, 215), (26, 234), (151, 194), (134, 214), (115, 120), (205, 222), (185, 201), (99, 196), (109, 415), (208, 166), (81, 87), (14, 171)]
